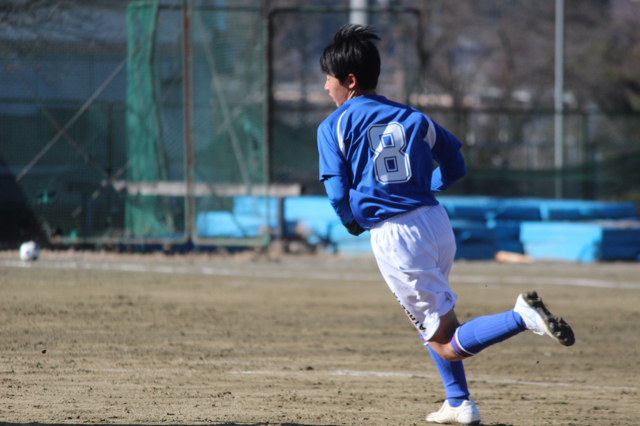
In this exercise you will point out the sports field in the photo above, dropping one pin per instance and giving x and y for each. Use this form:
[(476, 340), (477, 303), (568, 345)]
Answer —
[(306, 341)]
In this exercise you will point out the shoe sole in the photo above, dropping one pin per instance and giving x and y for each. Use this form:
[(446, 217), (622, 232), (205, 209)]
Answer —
[(475, 422), (556, 327)]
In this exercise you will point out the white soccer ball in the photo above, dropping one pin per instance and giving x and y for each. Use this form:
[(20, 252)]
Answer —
[(29, 251)]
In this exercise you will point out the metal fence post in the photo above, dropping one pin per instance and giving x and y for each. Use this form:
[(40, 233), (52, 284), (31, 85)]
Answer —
[(559, 100), (268, 103), (187, 81)]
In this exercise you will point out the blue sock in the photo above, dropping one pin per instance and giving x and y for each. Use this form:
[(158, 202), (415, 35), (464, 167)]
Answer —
[(480, 333), (453, 379)]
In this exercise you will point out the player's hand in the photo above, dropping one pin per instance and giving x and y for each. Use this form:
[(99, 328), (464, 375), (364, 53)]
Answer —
[(354, 228)]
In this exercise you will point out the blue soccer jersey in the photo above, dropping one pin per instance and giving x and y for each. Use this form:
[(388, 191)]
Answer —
[(385, 152)]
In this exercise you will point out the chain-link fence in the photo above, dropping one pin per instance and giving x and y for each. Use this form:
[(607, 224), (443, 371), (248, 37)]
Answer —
[(94, 144), (511, 153), (62, 114), (94, 99)]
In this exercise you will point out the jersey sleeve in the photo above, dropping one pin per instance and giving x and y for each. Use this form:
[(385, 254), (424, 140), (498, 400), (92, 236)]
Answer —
[(446, 152), (338, 193), (332, 161)]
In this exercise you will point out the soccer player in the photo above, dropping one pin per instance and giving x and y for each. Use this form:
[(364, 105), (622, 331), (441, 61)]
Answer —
[(376, 162)]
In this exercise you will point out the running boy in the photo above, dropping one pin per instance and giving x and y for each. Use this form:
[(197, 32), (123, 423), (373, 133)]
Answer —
[(376, 162)]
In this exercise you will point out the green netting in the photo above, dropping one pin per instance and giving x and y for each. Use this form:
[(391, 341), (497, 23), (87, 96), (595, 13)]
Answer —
[(229, 99), (228, 95), (144, 215)]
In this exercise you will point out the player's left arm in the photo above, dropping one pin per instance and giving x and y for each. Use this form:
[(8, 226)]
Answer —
[(446, 152)]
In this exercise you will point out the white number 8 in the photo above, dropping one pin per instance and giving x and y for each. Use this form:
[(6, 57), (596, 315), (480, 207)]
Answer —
[(391, 163)]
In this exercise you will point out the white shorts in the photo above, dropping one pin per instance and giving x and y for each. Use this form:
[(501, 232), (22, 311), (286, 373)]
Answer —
[(415, 251)]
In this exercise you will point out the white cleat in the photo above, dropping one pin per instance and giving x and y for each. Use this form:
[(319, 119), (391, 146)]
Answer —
[(538, 319), (466, 414)]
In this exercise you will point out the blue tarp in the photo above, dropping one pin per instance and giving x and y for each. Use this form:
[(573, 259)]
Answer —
[(541, 228), (577, 242), (534, 209)]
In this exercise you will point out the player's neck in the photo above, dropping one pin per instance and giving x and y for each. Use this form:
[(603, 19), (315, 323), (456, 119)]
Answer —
[(357, 92)]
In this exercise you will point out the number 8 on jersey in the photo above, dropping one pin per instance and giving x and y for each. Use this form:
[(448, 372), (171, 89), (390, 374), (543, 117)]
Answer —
[(391, 163)]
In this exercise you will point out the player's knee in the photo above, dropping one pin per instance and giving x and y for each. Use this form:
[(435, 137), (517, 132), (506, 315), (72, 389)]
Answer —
[(448, 325), (445, 351), (451, 357)]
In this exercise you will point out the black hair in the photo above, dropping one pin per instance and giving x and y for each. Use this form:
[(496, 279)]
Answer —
[(353, 52)]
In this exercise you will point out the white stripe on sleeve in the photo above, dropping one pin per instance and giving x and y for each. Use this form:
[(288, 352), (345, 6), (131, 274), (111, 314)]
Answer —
[(341, 135)]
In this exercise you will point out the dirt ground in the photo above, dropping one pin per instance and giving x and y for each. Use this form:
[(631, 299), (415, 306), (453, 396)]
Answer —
[(298, 341)]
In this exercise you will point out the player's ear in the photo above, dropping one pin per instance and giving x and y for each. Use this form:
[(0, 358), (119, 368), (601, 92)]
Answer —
[(351, 82)]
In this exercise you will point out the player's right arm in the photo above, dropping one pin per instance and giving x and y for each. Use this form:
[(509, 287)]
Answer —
[(338, 191), (333, 174)]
